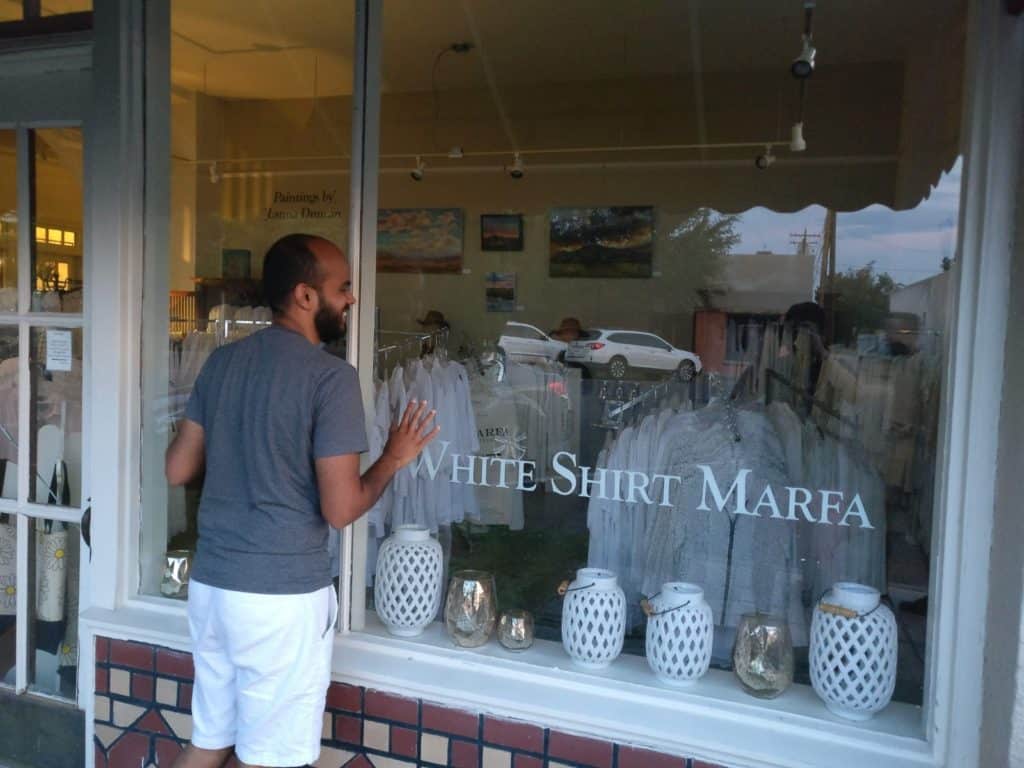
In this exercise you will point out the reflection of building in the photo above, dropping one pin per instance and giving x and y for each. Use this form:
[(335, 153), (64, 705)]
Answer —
[(927, 299), (753, 288)]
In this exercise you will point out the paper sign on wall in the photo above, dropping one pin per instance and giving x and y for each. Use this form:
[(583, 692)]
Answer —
[(58, 350)]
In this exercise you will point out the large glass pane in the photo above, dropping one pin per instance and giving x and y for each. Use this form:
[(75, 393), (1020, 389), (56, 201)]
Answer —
[(8, 596), (8, 412), (58, 270), (687, 323), (56, 416), (54, 569), (260, 116), (8, 222)]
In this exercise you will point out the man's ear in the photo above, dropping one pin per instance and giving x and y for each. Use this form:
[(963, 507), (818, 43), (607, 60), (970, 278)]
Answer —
[(303, 296)]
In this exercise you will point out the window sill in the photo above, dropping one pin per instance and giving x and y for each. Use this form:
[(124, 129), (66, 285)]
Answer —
[(714, 719)]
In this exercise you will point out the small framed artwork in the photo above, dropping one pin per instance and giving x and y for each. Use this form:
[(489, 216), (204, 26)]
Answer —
[(236, 264), (501, 232), (500, 291)]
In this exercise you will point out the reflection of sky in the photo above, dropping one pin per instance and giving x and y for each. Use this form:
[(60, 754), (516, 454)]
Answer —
[(909, 245)]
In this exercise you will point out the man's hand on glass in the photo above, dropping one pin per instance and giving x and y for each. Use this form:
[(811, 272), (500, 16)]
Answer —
[(412, 434)]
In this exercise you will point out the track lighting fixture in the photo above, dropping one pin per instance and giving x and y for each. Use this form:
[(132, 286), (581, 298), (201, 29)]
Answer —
[(803, 65), (455, 153), (763, 162), (796, 138), (417, 172), (516, 169)]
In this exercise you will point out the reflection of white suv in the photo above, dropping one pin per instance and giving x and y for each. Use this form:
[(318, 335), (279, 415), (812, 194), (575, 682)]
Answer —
[(620, 351), (525, 343)]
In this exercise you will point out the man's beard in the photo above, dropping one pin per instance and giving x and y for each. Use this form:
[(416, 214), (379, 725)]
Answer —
[(330, 325)]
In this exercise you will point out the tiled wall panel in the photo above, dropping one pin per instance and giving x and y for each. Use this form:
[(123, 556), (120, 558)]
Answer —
[(143, 718)]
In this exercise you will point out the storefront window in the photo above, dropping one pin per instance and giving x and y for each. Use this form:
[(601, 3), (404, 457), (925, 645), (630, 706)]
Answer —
[(665, 339), (260, 114), (684, 316)]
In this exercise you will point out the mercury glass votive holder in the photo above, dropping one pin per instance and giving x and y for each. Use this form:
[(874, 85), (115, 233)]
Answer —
[(470, 610), (515, 629), (177, 564), (762, 657)]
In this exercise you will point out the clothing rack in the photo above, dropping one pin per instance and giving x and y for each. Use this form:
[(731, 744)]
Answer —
[(409, 344)]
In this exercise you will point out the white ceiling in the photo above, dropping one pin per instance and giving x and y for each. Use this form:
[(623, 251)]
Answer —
[(301, 48)]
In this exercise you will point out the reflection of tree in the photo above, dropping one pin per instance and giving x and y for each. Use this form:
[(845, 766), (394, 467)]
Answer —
[(698, 247), (861, 301)]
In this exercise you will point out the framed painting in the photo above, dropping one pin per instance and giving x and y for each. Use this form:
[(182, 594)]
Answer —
[(500, 291), (602, 242), (501, 232), (419, 240)]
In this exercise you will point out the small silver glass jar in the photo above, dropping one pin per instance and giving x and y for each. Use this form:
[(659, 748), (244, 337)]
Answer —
[(515, 630), (470, 610), (762, 657), (177, 564)]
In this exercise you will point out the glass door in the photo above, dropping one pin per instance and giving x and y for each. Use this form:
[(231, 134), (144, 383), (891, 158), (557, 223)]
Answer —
[(42, 408)]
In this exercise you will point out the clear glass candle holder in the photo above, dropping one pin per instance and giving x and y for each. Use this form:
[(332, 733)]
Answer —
[(762, 657), (515, 630), (470, 610)]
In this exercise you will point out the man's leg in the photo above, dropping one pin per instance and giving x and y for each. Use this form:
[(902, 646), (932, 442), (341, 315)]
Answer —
[(196, 757)]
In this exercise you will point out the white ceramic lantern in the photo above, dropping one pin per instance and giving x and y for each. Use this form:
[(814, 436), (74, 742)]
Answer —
[(594, 618), (407, 588), (680, 632), (853, 651)]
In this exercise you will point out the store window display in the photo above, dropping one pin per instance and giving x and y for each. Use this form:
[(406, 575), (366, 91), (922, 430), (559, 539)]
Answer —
[(695, 368)]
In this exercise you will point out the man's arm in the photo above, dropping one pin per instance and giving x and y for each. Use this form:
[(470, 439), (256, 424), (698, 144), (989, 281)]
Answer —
[(345, 495), (186, 454)]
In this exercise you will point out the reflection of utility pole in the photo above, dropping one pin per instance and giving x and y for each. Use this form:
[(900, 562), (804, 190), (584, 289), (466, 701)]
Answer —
[(826, 289)]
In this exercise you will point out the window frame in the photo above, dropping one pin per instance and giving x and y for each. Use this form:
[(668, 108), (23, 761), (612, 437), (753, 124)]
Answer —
[(621, 704)]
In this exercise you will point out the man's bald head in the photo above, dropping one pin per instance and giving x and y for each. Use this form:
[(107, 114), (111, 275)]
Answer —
[(293, 260)]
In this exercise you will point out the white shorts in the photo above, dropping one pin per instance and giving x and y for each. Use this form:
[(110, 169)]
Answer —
[(263, 665)]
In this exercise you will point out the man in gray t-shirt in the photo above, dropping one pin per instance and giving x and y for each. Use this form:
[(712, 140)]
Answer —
[(277, 426)]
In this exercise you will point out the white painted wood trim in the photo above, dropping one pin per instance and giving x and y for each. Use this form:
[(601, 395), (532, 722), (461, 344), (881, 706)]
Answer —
[(619, 704), (992, 145)]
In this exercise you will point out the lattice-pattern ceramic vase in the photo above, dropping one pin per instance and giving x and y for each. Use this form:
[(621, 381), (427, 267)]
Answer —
[(407, 588), (680, 631), (594, 618), (853, 651)]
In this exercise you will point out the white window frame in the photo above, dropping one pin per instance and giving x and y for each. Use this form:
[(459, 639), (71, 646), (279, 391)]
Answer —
[(33, 79), (715, 721)]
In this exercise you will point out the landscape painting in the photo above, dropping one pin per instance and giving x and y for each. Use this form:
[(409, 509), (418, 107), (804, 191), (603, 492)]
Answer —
[(602, 242), (501, 232), (419, 240), (501, 291)]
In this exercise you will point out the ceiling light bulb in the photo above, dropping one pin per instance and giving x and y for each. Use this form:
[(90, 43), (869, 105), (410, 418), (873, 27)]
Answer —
[(516, 170), (796, 138), (417, 172), (803, 65)]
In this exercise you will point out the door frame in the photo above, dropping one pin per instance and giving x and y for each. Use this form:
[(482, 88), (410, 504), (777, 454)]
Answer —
[(46, 87)]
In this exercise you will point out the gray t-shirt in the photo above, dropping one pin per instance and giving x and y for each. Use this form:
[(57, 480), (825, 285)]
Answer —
[(270, 405)]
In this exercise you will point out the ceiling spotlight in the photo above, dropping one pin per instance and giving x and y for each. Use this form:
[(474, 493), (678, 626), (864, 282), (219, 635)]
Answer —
[(803, 65), (214, 175), (516, 169), (455, 153), (766, 160), (417, 172), (796, 138)]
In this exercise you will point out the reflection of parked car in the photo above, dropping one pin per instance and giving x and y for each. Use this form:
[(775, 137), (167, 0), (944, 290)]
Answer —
[(525, 343), (620, 351)]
